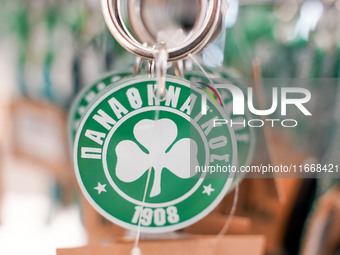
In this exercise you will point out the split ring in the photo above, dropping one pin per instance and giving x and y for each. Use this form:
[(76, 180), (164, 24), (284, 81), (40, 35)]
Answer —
[(113, 19)]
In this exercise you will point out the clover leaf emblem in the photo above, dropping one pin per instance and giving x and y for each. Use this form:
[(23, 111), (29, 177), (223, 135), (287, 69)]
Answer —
[(157, 137)]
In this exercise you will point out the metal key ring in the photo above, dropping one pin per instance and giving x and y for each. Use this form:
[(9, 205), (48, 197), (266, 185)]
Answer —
[(113, 19), (139, 21), (140, 27)]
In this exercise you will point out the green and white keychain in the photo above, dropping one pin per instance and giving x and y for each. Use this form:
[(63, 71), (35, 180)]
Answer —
[(139, 146), (125, 133), (86, 97)]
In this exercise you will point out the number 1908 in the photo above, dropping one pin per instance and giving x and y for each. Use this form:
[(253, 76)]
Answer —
[(158, 216)]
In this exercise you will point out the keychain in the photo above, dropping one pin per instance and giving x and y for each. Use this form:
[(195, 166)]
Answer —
[(144, 148)]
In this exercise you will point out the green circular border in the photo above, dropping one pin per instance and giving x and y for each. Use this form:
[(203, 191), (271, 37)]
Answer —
[(124, 83)]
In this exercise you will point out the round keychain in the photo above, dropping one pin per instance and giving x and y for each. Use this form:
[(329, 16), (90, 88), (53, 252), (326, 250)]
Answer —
[(143, 146)]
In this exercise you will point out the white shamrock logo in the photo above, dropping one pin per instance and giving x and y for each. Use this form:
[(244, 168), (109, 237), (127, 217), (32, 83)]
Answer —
[(156, 136)]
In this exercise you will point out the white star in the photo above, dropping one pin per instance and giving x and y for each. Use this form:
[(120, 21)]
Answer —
[(100, 188), (207, 189)]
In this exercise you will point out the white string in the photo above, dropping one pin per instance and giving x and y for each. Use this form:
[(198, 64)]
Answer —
[(161, 62), (135, 250), (236, 194), (202, 69), (229, 220), (161, 59)]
